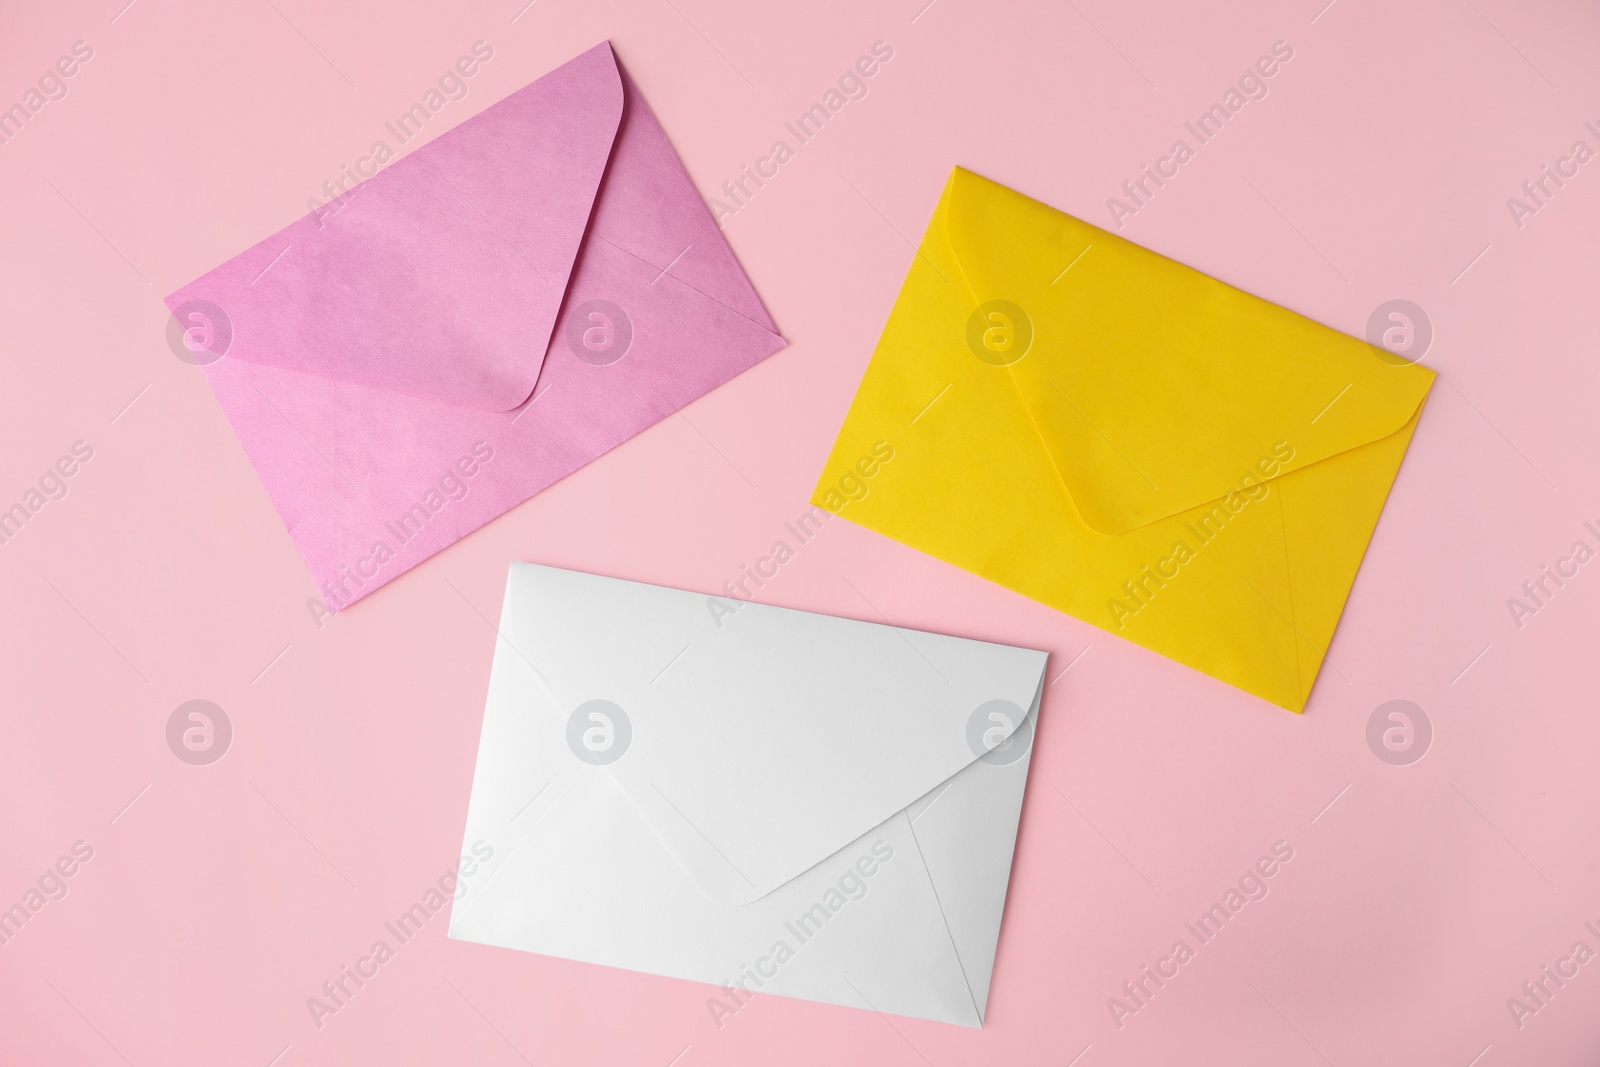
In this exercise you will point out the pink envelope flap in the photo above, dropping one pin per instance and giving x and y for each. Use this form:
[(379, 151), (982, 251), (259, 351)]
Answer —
[(371, 480), (442, 276)]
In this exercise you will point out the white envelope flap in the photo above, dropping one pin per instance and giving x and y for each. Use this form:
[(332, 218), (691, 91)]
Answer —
[(757, 741)]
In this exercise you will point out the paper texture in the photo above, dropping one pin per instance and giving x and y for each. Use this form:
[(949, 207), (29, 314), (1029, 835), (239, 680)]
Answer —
[(479, 320), (826, 804), (1125, 439)]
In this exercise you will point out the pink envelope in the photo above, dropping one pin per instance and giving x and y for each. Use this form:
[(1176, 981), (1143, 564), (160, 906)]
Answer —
[(471, 325)]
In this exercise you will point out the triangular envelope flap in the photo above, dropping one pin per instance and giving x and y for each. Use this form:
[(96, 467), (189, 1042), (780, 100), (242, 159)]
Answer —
[(757, 741), (442, 276), (1154, 387), (660, 218)]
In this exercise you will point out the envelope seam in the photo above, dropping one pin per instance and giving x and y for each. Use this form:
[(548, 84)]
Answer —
[(1016, 388), (1288, 582), (466, 914), (768, 326), (948, 933), (1275, 479), (956, 256)]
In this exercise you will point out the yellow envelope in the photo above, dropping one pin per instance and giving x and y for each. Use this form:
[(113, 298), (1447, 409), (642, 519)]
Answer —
[(1122, 438)]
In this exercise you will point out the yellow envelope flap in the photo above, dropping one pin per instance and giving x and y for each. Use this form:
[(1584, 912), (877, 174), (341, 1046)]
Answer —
[(1154, 387)]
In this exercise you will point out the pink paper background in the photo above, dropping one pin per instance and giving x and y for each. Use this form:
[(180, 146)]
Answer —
[(1378, 167)]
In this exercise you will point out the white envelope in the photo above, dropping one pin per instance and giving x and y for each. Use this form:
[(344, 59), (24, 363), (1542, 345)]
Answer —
[(760, 799)]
